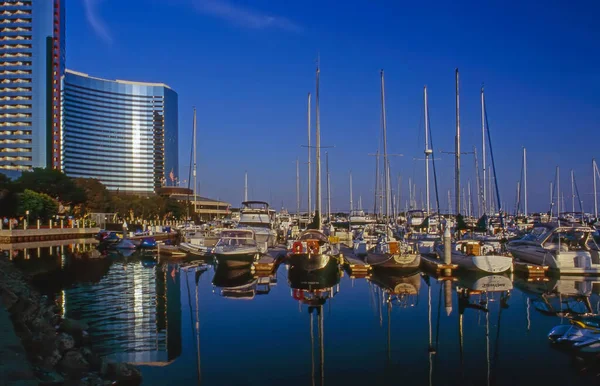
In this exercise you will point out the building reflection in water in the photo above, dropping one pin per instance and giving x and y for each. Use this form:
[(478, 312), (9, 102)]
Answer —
[(313, 289), (134, 312)]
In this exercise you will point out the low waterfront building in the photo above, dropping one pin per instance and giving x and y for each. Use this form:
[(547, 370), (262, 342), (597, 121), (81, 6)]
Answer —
[(123, 133), (206, 208)]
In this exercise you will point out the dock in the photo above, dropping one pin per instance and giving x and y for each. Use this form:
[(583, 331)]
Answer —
[(355, 266), (436, 265), (533, 271), (11, 236), (170, 251), (268, 263)]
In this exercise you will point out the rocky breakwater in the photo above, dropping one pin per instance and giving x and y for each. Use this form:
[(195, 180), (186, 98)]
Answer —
[(58, 349)]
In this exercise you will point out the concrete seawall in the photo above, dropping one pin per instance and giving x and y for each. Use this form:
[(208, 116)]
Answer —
[(26, 235)]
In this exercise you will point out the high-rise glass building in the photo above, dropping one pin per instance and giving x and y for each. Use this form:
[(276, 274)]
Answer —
[(32, 62), (122, 133)]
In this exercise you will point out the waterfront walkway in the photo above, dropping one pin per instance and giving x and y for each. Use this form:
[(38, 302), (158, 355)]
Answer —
[(14, 366)]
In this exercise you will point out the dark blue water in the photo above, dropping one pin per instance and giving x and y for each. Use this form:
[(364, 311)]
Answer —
[(201, 325)]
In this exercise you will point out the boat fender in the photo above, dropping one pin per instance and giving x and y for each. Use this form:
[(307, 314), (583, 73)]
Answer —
[(297, 247), (312, 246)]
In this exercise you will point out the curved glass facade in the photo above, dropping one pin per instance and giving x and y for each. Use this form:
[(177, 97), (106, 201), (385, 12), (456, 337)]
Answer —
[(122, 133)]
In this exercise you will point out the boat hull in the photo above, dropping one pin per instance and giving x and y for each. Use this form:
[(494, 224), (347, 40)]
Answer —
[(485, 263), (393, 261), (236, 259), (564, 263), (309, 262)]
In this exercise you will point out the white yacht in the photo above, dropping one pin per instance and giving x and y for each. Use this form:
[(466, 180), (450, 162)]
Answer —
[(357, 218), (564, 249), (256, 216), (478, 256)]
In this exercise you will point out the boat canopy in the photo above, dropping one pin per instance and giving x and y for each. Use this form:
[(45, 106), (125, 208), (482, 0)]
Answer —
[(238, 234), (261, 205), (313, 234)]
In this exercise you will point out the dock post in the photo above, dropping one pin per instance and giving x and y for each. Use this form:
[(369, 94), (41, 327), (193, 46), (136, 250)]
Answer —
[(38, 223), (447, 249), (50, 224), (10, 224), (24, 224), (61, 223)]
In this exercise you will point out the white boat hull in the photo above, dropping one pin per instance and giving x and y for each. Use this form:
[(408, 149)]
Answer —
[(486, 263), (568, 263)]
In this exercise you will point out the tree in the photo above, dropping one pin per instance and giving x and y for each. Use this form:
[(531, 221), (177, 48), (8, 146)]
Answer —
[(8, 198), (39, 205), (97, 197), (53, 183)]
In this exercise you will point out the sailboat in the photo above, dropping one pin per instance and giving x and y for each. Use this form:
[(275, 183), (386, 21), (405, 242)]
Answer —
[(474, 254), (312, 250), (386, 252)]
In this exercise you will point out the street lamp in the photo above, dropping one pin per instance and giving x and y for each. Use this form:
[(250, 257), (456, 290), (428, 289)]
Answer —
[(27, 213)]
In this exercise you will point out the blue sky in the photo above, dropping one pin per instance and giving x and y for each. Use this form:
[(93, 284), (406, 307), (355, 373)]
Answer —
[(248, 65)]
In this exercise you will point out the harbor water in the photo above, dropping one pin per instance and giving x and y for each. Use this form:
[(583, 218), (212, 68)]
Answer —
[(197, 323)]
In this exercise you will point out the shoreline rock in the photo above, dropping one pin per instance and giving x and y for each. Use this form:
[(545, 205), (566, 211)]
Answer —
[(57, 348)]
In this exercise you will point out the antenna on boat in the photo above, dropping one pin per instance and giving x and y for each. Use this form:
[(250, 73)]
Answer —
[(351, 203), (328, 187)]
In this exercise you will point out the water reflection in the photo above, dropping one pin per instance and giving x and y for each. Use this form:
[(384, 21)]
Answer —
[(240, 282), (312, 289), (179, 321)]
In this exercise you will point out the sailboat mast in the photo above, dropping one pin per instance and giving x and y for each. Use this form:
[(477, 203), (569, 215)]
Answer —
[(525, 180), (328, 186), (558, 192), (318, 149), (376, 198), (351, 203), (297, 187), (573, 191), (385, 156), (457, 148), (595, 171), (309, 210), (485, 200), (246, 186), (194, 170), (427, 150), (469, 197)]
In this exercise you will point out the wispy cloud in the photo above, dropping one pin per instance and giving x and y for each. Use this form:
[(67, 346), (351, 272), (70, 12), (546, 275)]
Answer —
[(93, 18), (244, 17)]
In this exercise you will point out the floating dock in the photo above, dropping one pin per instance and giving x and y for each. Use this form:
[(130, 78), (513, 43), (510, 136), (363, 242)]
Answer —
[(530, 270), (436, 265), (170, 251), (355, 266), (268, 263)]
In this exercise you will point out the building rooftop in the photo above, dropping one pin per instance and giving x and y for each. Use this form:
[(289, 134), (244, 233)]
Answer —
[(119, 80)]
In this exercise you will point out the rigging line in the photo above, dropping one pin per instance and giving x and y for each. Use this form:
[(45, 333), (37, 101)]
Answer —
[(493, 165), (437, 196)]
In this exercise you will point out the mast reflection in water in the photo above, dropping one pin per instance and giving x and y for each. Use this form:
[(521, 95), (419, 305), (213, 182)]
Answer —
[(187, 324)]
